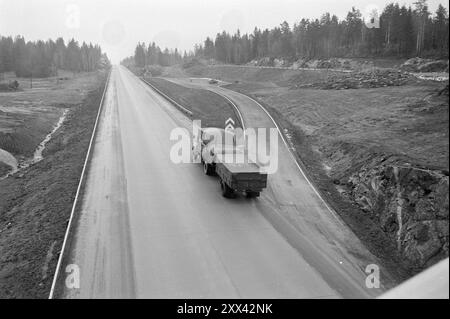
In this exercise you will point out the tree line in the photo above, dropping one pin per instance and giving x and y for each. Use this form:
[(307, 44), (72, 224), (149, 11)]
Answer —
[(401, 32), (153, 55), (44, 58)]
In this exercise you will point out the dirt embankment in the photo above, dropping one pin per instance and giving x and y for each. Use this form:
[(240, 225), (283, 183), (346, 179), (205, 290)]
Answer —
[(28, 115), (35, 203), (376, 145)]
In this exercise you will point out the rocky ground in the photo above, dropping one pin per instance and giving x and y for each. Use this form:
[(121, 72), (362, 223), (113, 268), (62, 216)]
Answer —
[(35, 203), (410, 204), (354, 64), (424, 65), (356, 80), (348, 64)]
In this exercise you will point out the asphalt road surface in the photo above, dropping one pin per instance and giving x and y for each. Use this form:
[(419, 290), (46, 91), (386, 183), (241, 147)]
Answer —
[(149, 228)]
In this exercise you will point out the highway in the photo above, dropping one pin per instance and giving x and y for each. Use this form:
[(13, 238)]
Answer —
[(149, 228)]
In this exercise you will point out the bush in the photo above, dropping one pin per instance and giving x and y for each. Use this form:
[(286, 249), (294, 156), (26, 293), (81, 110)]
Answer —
[(14, 85), (154, 70), (191, 63), (11, 86)]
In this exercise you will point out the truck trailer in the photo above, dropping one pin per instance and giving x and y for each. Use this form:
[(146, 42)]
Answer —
[(234, 178)]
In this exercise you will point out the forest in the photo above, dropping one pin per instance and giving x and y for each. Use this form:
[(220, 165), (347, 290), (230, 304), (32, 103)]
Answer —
[(399, 31), (44, 58)]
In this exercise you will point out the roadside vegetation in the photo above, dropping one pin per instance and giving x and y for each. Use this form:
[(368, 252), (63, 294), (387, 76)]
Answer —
[(43, 58)]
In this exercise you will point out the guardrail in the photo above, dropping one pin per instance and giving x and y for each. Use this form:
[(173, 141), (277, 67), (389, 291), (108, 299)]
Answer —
[(175, 103), (75, 201)]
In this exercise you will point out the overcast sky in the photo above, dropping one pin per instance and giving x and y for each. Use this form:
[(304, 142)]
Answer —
[(117, 25)]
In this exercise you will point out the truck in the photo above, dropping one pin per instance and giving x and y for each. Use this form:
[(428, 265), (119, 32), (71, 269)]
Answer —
[(212, 146)]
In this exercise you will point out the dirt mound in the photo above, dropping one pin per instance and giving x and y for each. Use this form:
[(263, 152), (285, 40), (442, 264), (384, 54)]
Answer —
[(191, 63), (357, 80), (424, 65), (333, 63), (308, 63)]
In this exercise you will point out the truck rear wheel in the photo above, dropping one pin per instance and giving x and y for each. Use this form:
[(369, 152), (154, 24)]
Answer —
[(208, 168), (251, 194), (227, 191)]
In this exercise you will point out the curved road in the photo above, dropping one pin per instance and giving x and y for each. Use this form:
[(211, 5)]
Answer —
[(149, 228)]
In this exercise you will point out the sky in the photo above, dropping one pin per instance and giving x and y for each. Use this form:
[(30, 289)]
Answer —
[(117, 25)]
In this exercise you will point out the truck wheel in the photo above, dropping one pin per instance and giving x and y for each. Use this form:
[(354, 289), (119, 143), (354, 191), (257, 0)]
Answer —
[(208, 168), (226, 190), (251, 194)]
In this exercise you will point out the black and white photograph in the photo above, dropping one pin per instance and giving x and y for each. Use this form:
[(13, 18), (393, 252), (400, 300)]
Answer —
[(225, 157)]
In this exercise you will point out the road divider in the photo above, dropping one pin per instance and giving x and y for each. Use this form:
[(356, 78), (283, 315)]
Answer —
[(176, 104), (234, 106)]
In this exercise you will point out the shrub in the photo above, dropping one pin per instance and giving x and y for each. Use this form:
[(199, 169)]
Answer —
[(154, 70)]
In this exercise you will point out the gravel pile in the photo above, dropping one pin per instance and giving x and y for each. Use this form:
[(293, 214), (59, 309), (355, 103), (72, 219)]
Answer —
[(425, 65), (356, 80)]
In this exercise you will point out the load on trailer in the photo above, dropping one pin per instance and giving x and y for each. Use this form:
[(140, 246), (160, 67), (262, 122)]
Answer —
[(213, 145)]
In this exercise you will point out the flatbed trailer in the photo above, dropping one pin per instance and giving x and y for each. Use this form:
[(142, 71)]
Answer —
[(246, 177)]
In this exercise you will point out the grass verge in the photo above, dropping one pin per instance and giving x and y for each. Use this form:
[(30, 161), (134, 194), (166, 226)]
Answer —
[(212, 109)]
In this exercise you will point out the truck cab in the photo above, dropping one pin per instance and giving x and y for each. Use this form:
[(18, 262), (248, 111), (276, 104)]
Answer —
[(211, 144)]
